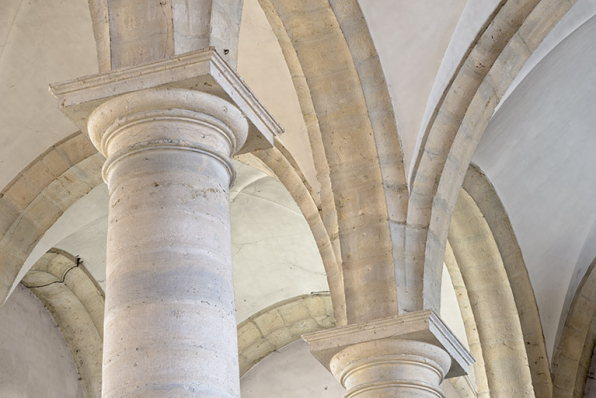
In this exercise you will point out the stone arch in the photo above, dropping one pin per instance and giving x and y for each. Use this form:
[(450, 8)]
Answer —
[(477, 185), (347, 107), (285, 322), (573, 355), (76, 302), (353, 134), (38, 196), (465, 307), (506, 41), (281, 324), (280, 161), (502, 320), (491, 299), (67, 171)]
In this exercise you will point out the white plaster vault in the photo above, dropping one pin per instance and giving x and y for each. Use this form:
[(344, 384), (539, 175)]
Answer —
[(425, 225)]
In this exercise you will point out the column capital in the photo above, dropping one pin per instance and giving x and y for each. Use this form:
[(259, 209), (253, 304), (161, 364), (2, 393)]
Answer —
[(202, 70), (421, 326)]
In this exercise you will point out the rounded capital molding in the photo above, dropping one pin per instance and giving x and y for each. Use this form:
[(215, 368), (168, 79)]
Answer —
[(167, 119), (110, 116), (390, 365)]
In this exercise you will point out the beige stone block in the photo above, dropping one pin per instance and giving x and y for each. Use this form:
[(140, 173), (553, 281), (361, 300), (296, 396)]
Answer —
[(76, 149), (258, 350), (248, 334), (293, 312), (315, 305), (540, 22), (21, 240), (269, 322), (8, 215), (280, 337), (43, 212), (54, 162), (304, 326), (39, 175), (325, 321), (328, 304), (21, 193)]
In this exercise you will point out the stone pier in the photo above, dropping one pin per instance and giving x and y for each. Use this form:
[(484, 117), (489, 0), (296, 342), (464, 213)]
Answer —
[(168, 130)]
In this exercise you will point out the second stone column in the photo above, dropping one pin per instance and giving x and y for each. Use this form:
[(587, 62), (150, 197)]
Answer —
[(170, 325)]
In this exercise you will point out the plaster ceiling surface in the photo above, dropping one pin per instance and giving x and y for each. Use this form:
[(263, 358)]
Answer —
[(8, 12), (292, 372), (411, 38), (538, 151), (581, 12), (275, 256), (274, 253), (74, 228), (262, 65), (473, 17), (36, 361), (43, 42)]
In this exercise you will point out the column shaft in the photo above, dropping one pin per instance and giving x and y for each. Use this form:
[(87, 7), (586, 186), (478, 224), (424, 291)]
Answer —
[(170, 325)]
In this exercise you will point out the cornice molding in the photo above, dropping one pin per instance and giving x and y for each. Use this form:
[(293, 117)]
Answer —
[(203, 70), (424, 326)]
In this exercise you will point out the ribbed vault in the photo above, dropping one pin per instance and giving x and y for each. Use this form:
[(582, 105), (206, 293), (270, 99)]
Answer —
[(75, 167), (506, 41), (38, 196), (383, 248)]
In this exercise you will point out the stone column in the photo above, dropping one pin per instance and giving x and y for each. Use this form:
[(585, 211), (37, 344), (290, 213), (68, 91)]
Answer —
[(170, 324), (405, 356)]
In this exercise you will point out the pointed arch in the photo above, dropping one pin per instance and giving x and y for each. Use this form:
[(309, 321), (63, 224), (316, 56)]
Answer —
[(504, 325), (506, 41), (355, 125)]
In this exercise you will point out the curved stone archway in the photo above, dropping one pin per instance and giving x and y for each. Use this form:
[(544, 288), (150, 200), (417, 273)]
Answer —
[(502, 320), (69, 170), (281, 324), (480, 189), (347, 92), (285, 322), (38, 196), (76, 302), (492, 301), (506, 41)]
